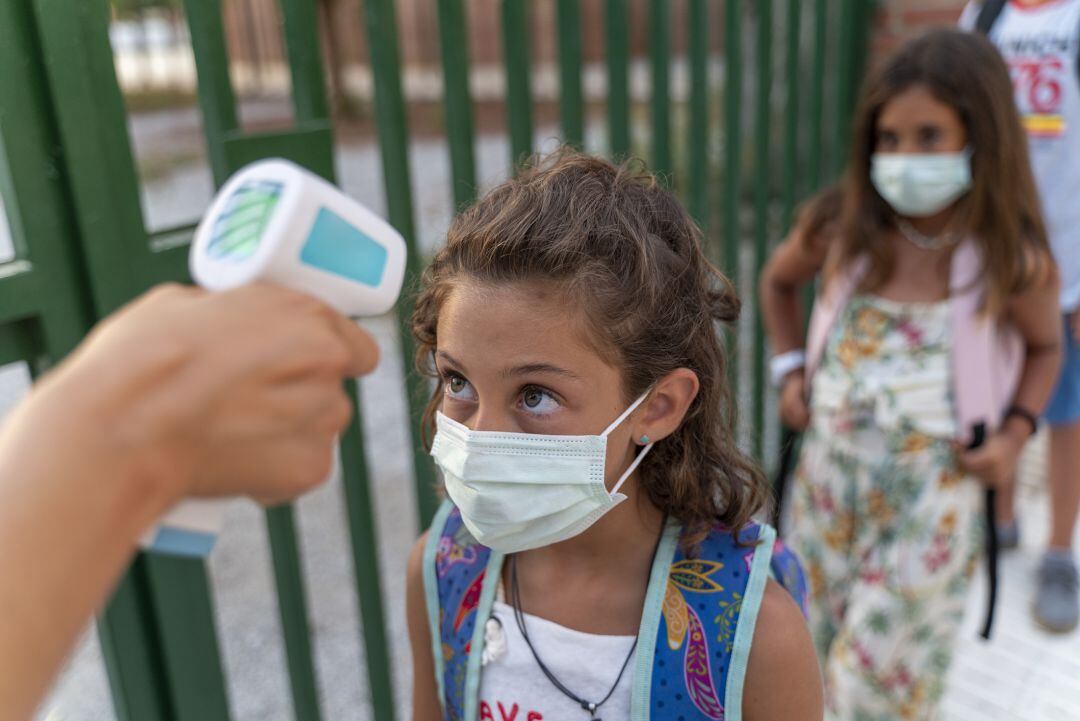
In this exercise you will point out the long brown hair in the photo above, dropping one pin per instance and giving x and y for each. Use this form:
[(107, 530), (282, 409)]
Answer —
[(964, 71), (623, 249)]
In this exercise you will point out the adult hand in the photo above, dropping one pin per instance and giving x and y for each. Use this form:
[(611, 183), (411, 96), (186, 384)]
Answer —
[(794, 411), (220, 394)]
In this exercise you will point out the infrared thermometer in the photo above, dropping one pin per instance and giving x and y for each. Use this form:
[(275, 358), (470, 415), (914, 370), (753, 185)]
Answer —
[(275, 221)]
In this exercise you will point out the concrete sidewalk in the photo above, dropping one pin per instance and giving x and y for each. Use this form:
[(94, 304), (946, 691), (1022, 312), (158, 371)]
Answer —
[(1023, 673)]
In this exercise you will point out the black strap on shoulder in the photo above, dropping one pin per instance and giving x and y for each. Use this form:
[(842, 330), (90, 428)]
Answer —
[(988, 15)]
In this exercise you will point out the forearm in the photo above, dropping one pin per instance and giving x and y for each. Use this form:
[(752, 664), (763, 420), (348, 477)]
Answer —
[(71, 511), (1037, 379), (782, 315)]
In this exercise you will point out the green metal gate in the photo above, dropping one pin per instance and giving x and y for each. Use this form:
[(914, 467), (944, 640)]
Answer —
[(82, 247)]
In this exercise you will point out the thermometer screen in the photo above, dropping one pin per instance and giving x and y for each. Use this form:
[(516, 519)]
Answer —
[(239, 228)]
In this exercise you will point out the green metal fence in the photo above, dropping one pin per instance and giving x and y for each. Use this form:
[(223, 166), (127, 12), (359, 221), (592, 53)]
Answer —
[(741, 146)]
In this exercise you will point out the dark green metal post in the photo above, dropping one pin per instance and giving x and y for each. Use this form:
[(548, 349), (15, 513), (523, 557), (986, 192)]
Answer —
[(292, 608), (617, 55), (659, 52), (361, 514), (762, 128), (453, 40), (301, 25), (845, 81), (697, 146), (572, 104), (515, 37), (215, 87), (791, 113), (732, 161), (381, 27), (815, 168)]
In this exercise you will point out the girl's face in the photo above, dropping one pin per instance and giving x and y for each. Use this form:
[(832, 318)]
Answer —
[(914, 121), (515, 358)]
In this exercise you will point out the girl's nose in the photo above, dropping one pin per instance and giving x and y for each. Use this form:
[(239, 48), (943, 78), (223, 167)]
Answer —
[(491, 419)]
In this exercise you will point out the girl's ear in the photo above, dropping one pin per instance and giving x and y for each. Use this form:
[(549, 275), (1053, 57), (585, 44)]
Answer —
[(663, 412)]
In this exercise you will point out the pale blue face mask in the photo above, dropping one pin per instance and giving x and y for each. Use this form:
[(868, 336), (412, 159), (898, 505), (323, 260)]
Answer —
[(518, 491), (918, 185)]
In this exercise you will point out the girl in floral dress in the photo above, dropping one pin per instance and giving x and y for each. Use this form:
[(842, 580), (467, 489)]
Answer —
[(936, 322)]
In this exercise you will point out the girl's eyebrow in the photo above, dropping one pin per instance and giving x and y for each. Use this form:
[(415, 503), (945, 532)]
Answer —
[(449, 359), (527, 369), (531, 368)]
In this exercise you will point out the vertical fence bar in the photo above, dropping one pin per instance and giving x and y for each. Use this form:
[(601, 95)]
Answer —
[(732, 161), (815, 168), (617, 55), (515, 38), (292, 607), (381, 27), (763, 126), (659, 52), (453, 40), (697, 146), (181, 591), (791, 113), (301, 24), (127, 630), (214, 86), (845, 91), (361, 514), (571, 105)]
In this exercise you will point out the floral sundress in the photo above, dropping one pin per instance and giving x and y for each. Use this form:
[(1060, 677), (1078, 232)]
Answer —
[(888, 528)]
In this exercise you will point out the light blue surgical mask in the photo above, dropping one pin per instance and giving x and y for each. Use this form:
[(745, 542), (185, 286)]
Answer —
[(518, 491), (918, 185)]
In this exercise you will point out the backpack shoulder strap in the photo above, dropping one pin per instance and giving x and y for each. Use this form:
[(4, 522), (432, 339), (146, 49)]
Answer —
[(988, 15), (705, 625), (455, 565)]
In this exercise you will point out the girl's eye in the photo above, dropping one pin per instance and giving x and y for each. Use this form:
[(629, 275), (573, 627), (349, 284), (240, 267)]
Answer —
[(887, 140), (537, 400), (458, 388)]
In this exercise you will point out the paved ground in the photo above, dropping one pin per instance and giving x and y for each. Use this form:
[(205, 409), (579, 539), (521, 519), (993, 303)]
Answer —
[(1022, 674)]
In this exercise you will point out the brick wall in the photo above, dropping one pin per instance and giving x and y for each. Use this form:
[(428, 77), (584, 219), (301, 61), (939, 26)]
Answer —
[(899, 20)]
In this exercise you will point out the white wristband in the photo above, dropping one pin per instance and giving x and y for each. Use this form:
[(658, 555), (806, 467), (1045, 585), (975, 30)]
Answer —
[(781, 365)]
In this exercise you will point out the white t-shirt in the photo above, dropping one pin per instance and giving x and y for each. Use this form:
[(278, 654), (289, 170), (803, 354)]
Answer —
[(1040, 46), (513, 688)]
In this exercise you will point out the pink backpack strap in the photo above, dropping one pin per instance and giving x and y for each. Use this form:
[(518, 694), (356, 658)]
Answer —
[(830, 300), (988, 354)]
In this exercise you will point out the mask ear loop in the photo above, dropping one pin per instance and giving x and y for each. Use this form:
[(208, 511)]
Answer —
[(644, 451), (633, 407), (633, 466)]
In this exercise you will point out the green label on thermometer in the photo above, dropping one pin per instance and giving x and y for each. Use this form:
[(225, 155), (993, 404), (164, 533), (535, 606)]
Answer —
[(239, 229)]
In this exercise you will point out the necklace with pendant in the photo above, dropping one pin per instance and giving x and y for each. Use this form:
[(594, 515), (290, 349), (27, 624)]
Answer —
[(921, 240), (589, 707)]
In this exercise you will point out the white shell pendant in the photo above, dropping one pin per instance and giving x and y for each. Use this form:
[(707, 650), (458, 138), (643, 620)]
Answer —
[(494, 642)]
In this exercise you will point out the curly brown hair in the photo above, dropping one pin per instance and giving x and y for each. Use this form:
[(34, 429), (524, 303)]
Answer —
[(625, 251)]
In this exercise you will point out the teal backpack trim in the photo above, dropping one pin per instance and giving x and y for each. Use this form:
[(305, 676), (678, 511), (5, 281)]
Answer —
[(744, 633)]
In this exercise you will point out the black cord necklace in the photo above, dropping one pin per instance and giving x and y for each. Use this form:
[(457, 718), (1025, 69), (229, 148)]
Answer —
[(519, 618)]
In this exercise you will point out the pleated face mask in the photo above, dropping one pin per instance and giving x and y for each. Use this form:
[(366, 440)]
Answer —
[(518, 491)]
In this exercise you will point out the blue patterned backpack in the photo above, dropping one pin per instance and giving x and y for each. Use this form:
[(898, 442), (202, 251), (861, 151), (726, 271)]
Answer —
[(698, 620)]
